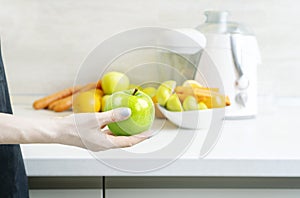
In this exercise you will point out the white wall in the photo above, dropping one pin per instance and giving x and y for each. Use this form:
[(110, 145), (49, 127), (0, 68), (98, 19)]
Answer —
[(44, 42)]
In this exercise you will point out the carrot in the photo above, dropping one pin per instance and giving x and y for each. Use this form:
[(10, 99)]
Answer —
[(89, 86), (199, 93), (203, 91), (52, 104), (44, 102), (99, 84), (63, 104)]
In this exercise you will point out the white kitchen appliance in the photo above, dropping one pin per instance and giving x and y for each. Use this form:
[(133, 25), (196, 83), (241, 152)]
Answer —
[(233, 50)]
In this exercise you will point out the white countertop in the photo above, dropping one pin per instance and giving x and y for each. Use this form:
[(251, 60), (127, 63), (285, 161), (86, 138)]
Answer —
[(266, 146)]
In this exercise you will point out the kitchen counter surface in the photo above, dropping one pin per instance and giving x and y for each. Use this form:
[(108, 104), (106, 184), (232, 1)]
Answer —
[(267, 146)]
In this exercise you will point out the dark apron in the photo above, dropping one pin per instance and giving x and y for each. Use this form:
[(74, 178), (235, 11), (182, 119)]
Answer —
[(13, 179)]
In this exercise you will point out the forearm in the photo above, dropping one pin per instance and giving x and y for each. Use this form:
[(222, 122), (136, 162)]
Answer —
[(17, 130), (81, 130)]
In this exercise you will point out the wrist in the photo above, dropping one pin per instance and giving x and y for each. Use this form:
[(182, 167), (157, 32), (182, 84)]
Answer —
[(66, 131)]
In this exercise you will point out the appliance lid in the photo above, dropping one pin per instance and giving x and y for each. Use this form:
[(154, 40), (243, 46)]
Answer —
[(217, 22)]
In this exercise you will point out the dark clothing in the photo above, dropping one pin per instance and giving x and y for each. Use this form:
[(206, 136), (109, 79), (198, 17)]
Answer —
[(13, 179)]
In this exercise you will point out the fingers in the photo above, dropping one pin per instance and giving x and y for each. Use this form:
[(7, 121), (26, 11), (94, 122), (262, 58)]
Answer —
[(125, 141), (146, 134), (114, 115), (107, 131)]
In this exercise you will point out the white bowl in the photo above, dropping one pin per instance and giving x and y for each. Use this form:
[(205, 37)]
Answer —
[(198, 119)]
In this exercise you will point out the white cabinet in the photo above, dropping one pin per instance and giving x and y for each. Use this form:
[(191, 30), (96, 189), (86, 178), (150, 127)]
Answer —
[(207, 193), (65, 193), (168, 193), (164, 187)]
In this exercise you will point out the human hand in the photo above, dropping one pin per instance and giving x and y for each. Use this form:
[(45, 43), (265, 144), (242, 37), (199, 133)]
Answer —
[(87, 130)]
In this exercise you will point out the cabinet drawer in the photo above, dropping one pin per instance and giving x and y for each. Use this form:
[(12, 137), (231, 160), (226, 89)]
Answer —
[(65, 193), (207, 193)]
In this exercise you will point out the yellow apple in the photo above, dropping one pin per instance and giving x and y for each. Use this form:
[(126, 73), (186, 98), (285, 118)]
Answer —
[(150, 91), (202, 106), (87, 102), (114, 81)]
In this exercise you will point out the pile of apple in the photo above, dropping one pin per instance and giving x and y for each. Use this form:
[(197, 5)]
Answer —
[(116, 93)]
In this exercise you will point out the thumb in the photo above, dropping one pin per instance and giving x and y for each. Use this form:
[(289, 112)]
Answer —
[(114, 115)]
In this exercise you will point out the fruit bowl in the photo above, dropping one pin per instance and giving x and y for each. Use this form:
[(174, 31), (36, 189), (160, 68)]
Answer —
[(197, 119)]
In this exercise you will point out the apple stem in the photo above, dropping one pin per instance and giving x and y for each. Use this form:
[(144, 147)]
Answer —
[(134, 92)]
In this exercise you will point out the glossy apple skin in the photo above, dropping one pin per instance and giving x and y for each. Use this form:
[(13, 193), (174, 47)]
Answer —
[(113, 82), (142, 112), (87, 102), (103, 102)]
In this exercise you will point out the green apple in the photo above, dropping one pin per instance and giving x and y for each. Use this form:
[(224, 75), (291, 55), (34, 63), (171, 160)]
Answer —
[(103, 102), (142, 112), (114, 81), (173, 103), (164, 91), (190, 103)]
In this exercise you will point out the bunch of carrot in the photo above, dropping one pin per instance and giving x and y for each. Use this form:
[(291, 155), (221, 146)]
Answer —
[(62, 100)]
